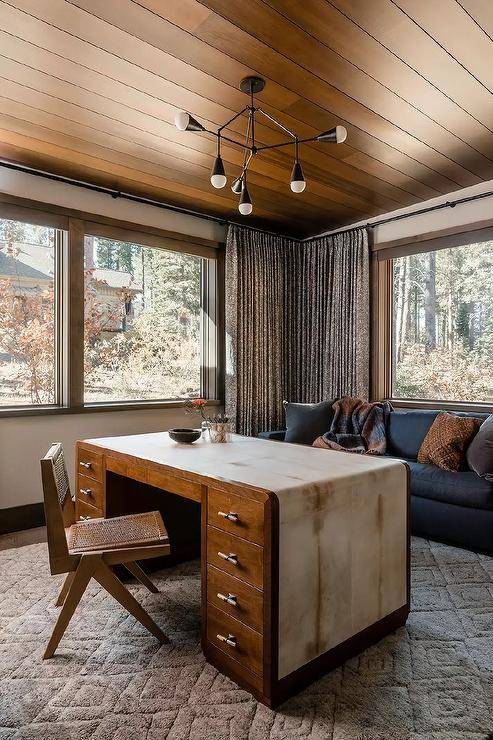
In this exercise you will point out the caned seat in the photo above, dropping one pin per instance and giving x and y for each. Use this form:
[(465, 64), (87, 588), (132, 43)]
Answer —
[(88, 549), (131, 530)]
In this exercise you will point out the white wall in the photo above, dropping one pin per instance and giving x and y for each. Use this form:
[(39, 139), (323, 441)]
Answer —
[(69, 196), (466, 213), (23, 440)]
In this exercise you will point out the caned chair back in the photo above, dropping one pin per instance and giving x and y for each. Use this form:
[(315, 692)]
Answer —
[(58, 505)]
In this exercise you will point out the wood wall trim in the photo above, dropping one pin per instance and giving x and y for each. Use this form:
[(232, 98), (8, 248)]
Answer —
[(75, 323), (381, 329)]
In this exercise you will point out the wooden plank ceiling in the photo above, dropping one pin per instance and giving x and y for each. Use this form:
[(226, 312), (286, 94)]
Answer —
[(89, 89)]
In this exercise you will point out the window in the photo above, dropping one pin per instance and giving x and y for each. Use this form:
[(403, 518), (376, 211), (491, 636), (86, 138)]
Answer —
[(28, 314), (442, 324), (102, 314), (142, 322)]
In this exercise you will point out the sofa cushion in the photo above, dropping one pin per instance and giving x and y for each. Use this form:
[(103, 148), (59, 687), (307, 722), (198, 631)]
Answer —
[(406, 431), (447, 441), (480, 451), (407, 428), (463, 489), (307, 421)]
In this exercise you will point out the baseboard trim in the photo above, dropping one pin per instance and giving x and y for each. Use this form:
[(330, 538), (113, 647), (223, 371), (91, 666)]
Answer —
[(17, 518)]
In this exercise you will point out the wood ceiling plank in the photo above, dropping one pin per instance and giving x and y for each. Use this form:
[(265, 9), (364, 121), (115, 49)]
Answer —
[(240, 45), (28, 122), (155, 106), (451, 27), (329, 26), (386, 22), (111, 132), (17, 132), (163, 131), (265, 24)]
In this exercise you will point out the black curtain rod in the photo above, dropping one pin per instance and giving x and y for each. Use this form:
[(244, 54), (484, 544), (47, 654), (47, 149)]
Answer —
[(128, 196), (402, 216), (226, 222)]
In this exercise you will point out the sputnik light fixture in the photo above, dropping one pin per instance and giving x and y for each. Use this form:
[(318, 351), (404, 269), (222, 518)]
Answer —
[(251, 86)]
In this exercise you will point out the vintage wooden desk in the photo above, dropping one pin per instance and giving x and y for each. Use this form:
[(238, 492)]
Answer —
[(304, 552)]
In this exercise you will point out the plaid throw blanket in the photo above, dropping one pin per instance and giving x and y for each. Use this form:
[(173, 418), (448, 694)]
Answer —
[(357, 426)]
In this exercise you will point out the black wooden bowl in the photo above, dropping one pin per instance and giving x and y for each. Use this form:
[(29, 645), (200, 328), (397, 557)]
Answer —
[(185, 436)]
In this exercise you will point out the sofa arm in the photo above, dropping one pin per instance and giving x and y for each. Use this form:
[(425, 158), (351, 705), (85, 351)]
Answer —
[(277, 435)]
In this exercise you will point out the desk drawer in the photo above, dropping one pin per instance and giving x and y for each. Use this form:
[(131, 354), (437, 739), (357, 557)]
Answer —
[(86, 511), (236, 515), (247, 563), (245, 602), (90, 464), (182, 487), (90, 491), (244, 644)]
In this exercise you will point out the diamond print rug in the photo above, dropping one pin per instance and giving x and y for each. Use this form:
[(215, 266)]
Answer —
[(110, 680)]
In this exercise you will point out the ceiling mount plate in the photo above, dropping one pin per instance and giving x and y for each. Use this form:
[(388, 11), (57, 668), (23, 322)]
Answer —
[(252, 84)]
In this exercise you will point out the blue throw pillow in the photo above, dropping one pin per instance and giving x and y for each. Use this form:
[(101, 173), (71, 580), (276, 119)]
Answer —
[(307, 421)]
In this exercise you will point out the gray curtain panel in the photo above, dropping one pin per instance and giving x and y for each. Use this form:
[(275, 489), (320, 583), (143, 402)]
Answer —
[(297, 323)]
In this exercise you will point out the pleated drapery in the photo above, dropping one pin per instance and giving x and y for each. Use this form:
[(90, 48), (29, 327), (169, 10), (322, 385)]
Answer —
[(297, 323)]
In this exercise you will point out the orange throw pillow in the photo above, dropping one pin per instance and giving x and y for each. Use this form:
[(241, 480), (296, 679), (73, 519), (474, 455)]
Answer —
[(447, 441)]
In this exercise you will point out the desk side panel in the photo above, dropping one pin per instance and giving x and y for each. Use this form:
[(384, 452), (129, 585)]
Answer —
[(343, 560)]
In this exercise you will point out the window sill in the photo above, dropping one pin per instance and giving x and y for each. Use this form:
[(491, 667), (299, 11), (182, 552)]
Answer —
[(406, 403), (92, 408)]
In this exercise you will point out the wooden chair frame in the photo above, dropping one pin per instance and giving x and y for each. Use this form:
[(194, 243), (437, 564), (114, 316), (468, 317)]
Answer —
[(81, 567)]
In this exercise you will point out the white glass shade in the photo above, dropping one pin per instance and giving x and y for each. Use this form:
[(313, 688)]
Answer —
[(297, 186), (218, 181), (341, 134), (181, 120), (245, 209)]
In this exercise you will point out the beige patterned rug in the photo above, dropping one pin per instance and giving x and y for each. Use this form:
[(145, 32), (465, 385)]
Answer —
[(110, 680)]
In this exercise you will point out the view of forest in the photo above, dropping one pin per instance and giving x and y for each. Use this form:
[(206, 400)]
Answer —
[(443, 324), (155, 354), (141, 321), (27, 309)]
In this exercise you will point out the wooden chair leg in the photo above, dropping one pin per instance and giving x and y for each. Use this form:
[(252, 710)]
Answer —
[(83, 574), (64, 590), (136, 570), (108, 580)]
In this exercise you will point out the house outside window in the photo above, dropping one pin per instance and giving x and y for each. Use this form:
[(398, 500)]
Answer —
[(89, 320), (28, 314)]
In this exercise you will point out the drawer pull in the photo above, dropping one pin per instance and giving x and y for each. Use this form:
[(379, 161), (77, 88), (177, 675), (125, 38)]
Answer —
[(231, 557), (86, 491), (86, 465), (84, 518), (229, 599), (229, 640), (230, 515)]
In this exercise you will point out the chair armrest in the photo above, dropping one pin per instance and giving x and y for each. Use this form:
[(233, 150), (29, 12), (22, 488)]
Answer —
[(278, 435)]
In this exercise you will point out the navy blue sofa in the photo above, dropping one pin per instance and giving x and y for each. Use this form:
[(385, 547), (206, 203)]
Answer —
[(456, 508)]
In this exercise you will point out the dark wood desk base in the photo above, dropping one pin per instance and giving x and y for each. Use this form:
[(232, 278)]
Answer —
[(235, 529)]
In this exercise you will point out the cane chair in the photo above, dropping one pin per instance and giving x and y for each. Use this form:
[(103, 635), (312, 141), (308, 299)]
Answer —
[(88, 549)]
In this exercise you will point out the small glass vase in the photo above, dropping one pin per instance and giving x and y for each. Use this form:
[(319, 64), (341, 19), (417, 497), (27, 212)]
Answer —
[(219, 432), (206, 426)]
